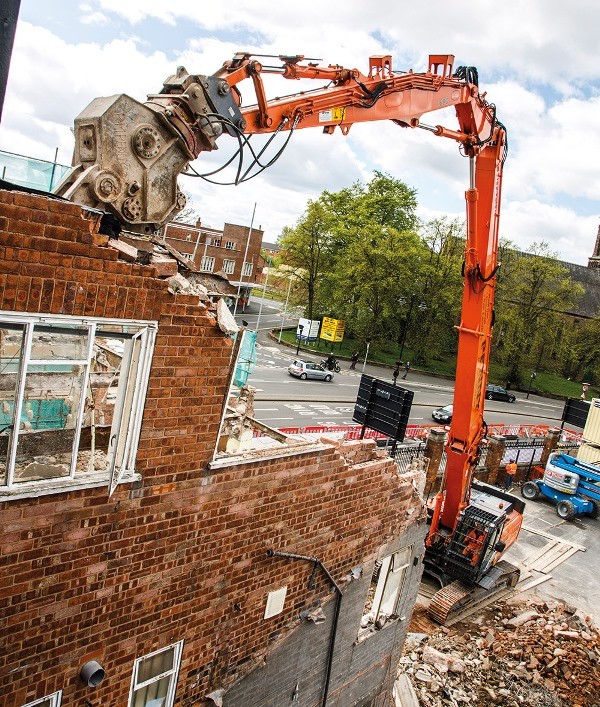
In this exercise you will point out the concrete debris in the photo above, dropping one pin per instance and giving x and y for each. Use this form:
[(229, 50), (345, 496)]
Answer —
[(179, 283), (225, 320), (522, 619), (538, 654), (126, 252)]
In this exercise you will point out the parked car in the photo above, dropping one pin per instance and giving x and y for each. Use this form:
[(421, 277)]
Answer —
[(496, 392), (306, 369), (443, 414)]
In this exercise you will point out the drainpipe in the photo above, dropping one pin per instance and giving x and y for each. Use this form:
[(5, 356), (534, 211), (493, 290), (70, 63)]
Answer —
[(338, 603)]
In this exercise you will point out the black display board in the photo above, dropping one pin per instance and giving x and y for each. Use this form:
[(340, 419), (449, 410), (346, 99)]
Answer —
[(575, 412), (383, 407)]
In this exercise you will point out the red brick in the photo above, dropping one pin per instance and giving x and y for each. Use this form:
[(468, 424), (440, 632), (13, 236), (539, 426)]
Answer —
[(166, 558)]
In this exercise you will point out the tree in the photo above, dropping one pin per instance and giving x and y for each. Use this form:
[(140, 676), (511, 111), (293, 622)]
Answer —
[(305, 250), (534, 294), (441, 288)]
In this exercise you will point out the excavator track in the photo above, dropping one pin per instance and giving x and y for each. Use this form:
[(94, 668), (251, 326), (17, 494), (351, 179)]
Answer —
[(456, 597)]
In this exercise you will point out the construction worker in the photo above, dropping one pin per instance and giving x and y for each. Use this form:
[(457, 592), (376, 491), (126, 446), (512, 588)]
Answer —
[(474, 544), (511, 470)]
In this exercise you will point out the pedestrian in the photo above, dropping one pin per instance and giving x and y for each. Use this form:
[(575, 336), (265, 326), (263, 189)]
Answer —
[(406, 370), (511, 470), (396, 373), (353, 360)]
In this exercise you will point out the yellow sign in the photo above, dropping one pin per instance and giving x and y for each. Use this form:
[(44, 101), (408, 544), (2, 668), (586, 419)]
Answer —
[(332, 329)]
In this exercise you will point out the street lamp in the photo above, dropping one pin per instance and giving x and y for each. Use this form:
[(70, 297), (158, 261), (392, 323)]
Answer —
[(301, 327), (422, 307)]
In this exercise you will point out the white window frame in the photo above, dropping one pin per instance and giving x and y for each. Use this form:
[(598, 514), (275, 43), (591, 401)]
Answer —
[(174, 673), (247, 269), (230, 245), (393, 573), (228, 266), (129, 406), (208, 263), (55, 700)]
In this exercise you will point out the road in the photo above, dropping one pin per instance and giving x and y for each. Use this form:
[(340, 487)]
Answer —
[(284, 401)]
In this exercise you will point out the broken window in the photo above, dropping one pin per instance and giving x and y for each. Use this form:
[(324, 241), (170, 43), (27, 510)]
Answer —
[(385, 591), (155, 678), (50, 701), (72, 393)]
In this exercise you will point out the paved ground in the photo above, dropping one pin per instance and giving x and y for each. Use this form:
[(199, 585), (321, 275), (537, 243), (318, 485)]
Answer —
[(576, 580)]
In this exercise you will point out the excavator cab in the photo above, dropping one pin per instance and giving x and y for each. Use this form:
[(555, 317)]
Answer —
[(481, 534)]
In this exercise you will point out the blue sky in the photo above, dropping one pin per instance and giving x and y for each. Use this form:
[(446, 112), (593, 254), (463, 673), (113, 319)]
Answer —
[(538, 61)]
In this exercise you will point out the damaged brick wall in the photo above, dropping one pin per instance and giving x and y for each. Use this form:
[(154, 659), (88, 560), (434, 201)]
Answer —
[(180, 555)]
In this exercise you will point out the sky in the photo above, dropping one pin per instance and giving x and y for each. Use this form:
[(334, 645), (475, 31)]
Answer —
[(538, 62)]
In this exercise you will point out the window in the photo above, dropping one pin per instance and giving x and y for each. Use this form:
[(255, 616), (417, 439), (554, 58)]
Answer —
[(230, 245), (247, 269), (216, 241), (155, 678), (208, 263), (50, 701), (228, 266), (188, 256), (385, 591), (72, 394)]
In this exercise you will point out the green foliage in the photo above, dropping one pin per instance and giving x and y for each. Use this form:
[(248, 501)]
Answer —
[(534, 291), (306, 252)]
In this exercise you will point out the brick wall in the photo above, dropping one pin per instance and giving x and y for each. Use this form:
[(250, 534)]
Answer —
[(182, 553)]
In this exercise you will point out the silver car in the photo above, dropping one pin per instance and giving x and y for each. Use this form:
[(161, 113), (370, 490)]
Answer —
[(306, 369)]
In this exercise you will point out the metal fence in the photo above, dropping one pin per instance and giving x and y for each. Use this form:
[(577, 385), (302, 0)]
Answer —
[(404, 456), (527, 452)]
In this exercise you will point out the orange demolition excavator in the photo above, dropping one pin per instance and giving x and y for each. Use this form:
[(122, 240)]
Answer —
[(127, 159)]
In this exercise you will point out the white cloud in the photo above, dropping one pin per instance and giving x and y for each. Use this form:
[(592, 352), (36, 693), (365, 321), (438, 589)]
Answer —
[(538, 62)]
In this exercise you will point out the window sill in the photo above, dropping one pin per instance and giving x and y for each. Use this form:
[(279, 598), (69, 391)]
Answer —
[(46, 488), (370, 630)]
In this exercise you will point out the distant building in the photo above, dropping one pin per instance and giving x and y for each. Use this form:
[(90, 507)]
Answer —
[(270, 249), (233, 251), (594, 260)]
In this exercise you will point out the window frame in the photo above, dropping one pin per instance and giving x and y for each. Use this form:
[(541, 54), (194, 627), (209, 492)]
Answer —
[(247, 266), (55, 700), (386, 572), (134, 393), (228, 266), (230, 245), (172, 689), (206, 261)]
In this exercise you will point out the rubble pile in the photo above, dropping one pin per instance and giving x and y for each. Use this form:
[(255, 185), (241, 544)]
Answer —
[(516, 653)]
